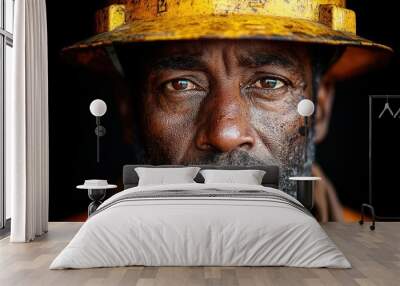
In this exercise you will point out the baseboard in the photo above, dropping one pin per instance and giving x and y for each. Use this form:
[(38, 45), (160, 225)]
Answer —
[(5, 231)]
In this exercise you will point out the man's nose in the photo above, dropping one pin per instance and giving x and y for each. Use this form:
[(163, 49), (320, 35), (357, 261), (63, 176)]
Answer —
[(226, 125)]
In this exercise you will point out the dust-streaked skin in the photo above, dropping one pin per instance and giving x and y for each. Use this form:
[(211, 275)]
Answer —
[(225, 102)]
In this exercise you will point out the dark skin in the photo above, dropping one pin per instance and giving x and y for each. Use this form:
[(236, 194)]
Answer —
[(225, 102)]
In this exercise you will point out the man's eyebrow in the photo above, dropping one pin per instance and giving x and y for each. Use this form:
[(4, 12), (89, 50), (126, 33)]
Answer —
[(262, 59), (179, 62)]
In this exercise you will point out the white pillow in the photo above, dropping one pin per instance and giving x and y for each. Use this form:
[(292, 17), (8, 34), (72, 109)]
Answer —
[(248, 177), (163, 176)]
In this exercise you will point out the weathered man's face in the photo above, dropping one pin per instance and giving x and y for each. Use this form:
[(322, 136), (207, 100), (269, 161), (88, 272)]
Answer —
[(225, 102)]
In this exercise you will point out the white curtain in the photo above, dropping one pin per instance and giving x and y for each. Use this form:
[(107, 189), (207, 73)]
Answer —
[(27, 124)]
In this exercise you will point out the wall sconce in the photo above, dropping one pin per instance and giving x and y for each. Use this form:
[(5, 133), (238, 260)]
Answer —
[(305, 108), (305, 185), (98, 108)]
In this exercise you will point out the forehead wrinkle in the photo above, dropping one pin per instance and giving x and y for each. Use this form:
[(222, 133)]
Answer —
[(180, 62), (260, 59), (183, 56)]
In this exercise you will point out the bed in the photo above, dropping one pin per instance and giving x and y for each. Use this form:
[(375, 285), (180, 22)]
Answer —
[(201, 224)]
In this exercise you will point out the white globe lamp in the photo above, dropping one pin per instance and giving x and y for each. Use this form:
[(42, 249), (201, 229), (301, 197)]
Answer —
[(98, 107), (305, 107)]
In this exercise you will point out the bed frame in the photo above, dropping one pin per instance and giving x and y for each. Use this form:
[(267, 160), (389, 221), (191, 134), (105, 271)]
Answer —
[(271, 177)]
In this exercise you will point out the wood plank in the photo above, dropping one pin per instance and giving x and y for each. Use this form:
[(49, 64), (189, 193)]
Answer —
[(375, 257)]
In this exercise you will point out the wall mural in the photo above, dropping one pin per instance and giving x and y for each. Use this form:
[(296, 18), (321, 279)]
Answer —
[(223, 102)]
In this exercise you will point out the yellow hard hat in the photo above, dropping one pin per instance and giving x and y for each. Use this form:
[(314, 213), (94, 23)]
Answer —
[(325, 22)]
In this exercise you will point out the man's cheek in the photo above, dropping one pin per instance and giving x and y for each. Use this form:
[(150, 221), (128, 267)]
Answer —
[(279, 131), (293, 148), (170, 105), (170, 131)]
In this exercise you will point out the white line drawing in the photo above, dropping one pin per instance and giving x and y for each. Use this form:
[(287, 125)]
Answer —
[(387, 107), (397, 113)]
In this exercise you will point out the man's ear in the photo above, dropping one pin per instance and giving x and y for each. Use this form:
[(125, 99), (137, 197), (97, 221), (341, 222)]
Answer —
[(326, 94)]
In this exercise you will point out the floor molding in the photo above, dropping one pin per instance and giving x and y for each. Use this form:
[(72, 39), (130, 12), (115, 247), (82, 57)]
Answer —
[(5, 231)]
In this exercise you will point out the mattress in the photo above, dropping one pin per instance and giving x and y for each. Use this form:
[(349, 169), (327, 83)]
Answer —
[(201, 225)]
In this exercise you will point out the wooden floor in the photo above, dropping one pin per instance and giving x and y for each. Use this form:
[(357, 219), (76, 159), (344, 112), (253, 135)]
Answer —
[(375, 256)]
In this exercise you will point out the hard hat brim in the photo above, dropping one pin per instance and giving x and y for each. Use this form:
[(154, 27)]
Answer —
[(360, 54)]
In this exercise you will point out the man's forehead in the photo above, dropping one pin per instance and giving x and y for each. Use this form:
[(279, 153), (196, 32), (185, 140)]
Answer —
[(246, 52), (199, 47)]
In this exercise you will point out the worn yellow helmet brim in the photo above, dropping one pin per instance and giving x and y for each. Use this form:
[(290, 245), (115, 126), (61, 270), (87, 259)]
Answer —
[(360, 54)]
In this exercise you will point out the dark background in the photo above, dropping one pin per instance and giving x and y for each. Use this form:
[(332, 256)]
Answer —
[(385, 156), (343, 155)]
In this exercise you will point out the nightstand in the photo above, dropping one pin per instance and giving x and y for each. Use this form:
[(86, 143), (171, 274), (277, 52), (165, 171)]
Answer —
[(96, 191), (305, 190)]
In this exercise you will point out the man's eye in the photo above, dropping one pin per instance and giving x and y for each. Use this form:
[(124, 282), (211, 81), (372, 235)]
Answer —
[(180, 85), (269, 83)]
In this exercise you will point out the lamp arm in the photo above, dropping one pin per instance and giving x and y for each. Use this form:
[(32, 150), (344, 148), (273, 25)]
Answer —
[(306, 139), (98, 138)]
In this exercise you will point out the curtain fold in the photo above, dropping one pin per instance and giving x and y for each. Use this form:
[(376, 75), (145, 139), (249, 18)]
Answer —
[(27, 124)]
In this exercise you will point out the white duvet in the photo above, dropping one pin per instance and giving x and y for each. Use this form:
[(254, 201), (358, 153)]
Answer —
[(188, 231)]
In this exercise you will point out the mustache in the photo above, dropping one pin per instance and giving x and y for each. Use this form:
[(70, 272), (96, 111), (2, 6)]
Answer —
[(233, 158)]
